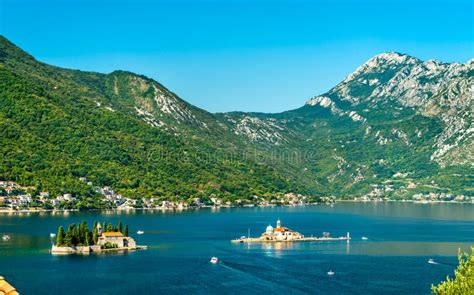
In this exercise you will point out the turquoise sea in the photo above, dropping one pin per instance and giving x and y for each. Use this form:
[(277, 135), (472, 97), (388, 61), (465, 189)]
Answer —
[(401, 239)]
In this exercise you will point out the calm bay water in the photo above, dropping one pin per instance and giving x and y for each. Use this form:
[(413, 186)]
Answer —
[(402, 237)]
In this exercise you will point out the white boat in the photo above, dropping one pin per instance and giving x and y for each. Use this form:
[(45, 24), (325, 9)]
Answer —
[(431, 261), (52, 235), (330, 273), (214, 260), (6, 237), (140, 232), (365, 238)]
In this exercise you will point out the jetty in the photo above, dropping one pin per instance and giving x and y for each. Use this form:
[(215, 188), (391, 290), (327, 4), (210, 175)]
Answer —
[(283, 234)]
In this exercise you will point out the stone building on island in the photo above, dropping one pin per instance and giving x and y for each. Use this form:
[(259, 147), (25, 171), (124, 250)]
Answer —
[(114, 238), (280, 233)]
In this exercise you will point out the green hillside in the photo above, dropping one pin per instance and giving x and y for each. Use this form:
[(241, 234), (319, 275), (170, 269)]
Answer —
[(129, 132), (52, 133)]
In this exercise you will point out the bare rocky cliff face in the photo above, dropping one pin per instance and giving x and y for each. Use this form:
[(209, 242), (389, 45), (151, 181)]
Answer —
[(391, 82)]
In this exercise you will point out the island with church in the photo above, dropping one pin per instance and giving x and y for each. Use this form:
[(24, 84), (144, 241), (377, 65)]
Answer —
[(284, 234), (78, 239)]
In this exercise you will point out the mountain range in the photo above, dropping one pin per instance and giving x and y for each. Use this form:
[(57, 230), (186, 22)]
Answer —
[(396, 126)]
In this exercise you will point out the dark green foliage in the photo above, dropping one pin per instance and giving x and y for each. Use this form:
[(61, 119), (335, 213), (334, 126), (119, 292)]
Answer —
[(51, 113), (69, 239), (87, 240), (95, 234), (109, 245), (463, 282), (60, 236), (125, 231), (80, 235), (110, 227)]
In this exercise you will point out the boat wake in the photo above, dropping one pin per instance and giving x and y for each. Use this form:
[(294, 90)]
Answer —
[(432, 261)]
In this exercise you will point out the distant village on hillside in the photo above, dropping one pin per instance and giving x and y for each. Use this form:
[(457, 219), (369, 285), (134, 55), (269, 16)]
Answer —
[(14, 197)]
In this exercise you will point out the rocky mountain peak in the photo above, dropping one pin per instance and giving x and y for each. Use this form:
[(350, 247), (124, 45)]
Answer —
[(382, 63), (393, 57)]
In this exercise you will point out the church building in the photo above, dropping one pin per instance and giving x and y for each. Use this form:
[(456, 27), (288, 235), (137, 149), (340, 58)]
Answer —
[(280, 233)]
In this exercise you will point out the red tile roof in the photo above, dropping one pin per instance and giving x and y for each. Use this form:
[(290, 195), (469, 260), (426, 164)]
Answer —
[(112, 234)]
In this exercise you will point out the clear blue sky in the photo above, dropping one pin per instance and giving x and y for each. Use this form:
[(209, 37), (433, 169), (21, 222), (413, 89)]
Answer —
[(248, 55)]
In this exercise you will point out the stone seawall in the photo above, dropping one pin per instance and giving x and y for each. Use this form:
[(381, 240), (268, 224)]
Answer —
[(69, 250), (89, 249)]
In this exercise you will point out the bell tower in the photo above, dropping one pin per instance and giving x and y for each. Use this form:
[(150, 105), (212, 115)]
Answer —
[(278, 223)]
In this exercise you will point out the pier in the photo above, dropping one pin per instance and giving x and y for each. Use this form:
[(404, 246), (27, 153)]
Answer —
[(309, 239), (284, 234)]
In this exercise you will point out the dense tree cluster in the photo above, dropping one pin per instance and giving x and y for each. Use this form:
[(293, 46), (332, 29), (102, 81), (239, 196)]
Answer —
[(80, 235), (463, 282), (52, 139)]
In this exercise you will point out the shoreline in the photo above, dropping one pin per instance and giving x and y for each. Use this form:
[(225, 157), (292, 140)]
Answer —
[(86, 250), (36, 210)]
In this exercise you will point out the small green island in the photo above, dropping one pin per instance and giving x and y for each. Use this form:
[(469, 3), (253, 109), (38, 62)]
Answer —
[(78, 239)]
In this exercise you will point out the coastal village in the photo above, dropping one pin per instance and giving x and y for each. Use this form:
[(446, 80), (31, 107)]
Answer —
[(14, 197), (17, 197)]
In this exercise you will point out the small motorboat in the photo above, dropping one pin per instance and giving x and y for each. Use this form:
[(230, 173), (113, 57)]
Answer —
[(52, 235), (330, 273), (5, 237), (431, 261), (140, 232), (365, 238), (214, 260)]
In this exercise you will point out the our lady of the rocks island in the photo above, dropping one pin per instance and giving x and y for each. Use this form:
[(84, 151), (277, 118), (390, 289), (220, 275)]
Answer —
[(284, 234)]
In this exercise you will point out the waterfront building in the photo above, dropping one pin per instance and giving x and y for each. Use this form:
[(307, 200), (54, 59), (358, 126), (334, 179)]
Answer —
[(280, 233), (116, 238)]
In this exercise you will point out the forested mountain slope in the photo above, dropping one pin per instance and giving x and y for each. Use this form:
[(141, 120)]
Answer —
[(121, 130), (396, 124)]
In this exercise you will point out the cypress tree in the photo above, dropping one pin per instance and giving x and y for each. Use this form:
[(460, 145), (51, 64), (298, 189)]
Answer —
[(78, 234), (119, 226), (68, 239), (85, 231), (60, 236), (86, 242), (75, 235), (125, 232), (110, 227), (95, 235)]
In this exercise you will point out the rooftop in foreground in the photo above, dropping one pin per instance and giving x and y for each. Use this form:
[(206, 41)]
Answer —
[(6, 288)]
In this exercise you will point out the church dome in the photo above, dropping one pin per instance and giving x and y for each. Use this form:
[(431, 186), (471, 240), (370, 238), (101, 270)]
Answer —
[(269, 229)]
